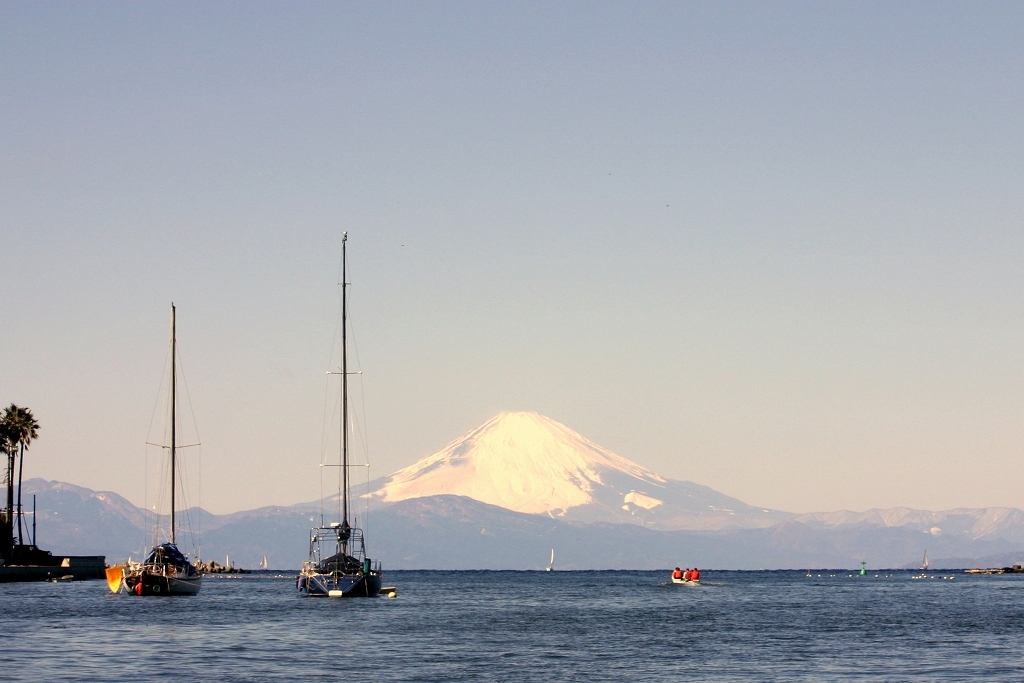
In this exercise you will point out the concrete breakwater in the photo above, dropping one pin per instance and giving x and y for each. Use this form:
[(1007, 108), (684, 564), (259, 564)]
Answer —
[(76, 567)]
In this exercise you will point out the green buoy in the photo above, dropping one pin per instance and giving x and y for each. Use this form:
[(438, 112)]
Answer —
[(863, 571)]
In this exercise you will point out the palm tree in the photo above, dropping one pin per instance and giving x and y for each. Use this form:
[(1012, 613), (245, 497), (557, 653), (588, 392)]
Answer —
[(8, 446), (23, 429)]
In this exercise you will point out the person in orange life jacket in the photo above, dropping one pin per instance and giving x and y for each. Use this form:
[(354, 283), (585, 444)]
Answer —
[(695, 575), (677, 574)]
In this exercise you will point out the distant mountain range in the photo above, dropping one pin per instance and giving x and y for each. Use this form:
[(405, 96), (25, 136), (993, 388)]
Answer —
[(503, 495)]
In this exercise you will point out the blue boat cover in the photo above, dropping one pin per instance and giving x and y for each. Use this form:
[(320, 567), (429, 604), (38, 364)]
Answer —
[(168, 553)]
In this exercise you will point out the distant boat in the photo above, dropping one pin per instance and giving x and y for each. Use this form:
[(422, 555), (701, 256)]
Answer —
[(347, 571), (263, 563), (687, 578), (924, 562), (166, 571), (551, 565)]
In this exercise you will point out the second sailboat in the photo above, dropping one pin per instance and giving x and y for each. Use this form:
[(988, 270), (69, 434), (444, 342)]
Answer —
[(346, 571)]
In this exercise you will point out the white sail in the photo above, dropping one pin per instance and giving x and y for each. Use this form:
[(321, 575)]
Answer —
[(551, 565), (924, 562)]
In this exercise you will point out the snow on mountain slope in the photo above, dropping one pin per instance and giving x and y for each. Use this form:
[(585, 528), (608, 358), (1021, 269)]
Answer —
[(975, 523), (529, 463), (519, 461)]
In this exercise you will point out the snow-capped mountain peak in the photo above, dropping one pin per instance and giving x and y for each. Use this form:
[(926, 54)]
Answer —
[(519, 461)]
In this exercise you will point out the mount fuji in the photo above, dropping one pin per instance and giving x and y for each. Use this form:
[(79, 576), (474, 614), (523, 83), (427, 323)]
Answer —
[(529, 463), (506, 493)]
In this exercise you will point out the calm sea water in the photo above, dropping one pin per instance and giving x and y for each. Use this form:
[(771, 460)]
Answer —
[(527, 626)]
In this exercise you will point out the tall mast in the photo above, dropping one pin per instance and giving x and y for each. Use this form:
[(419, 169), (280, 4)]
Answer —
[(344, 383), (174, 400)]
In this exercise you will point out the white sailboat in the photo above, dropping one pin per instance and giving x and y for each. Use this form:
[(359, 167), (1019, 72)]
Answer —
[(551, 564), (263, 562), (923, 568)]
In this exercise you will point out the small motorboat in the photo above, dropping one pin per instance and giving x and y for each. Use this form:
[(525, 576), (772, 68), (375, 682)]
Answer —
[(686, 578)]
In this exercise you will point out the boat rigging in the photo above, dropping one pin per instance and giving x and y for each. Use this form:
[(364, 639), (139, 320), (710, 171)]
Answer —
[(166, 571), (347, 572)]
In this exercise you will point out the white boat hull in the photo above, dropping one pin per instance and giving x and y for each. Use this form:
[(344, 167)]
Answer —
[(686, 582), (189, 586)]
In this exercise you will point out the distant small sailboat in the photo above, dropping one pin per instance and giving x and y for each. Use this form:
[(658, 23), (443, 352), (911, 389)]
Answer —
[(923, 568), (551, 564), (263, 563)]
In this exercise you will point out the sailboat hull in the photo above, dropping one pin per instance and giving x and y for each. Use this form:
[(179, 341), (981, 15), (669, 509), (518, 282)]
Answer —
[(149, 584), (346, 585), (155, 585)]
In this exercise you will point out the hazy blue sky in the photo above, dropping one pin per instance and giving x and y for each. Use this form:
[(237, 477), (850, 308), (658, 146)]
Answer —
[(774, 248)]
